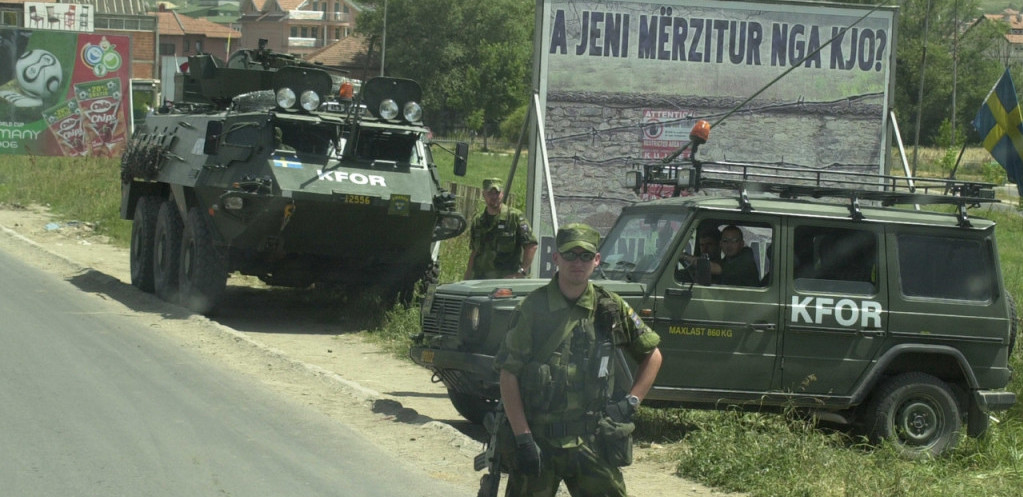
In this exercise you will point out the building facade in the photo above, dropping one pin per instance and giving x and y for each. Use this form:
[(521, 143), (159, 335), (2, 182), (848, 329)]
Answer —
[(297, 26)]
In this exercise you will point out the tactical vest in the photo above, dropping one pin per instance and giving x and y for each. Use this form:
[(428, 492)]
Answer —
[(574, 376), (498, 245)]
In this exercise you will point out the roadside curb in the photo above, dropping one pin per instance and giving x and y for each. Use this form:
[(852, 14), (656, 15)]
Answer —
[(95, 281)]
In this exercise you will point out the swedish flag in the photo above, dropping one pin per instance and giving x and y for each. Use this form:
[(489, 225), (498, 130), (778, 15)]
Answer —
[(1000, 124)]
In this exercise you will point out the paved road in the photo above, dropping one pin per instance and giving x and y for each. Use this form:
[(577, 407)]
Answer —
[(92, 403)]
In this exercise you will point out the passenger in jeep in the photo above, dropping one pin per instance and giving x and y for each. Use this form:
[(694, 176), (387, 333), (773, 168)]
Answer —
[(738, 266), (710, 243)]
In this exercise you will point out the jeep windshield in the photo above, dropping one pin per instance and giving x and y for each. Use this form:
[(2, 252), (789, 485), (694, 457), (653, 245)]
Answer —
[(637, 243)]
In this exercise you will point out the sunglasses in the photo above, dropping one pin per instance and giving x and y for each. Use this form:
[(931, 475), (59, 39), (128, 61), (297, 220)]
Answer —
[(582, 256)]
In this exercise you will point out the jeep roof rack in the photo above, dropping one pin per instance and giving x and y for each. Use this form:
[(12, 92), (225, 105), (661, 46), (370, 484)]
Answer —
[(795, 182)]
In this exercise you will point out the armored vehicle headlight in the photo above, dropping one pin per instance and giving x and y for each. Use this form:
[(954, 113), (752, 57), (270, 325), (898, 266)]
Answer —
[(310, 100), (388, 109), (233, 203), (286, 98), (413, 112)]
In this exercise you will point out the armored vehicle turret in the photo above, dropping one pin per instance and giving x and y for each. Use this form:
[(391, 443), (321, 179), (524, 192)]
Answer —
[(273, 167)]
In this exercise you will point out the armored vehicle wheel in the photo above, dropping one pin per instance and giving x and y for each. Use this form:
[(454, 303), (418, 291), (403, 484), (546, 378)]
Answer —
[(416, 283), (203, 274), (917, 412), (143, 235), (167, 251), (471, 407)]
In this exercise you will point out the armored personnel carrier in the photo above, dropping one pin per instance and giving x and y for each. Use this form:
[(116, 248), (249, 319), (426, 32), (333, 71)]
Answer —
[(274, 167)]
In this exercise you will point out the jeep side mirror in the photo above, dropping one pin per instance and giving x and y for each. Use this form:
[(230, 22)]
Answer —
[(461, 158), (213, 131), (703, 271)]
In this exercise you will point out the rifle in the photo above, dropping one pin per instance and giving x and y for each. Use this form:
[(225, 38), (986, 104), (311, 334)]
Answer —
[(490, 459)]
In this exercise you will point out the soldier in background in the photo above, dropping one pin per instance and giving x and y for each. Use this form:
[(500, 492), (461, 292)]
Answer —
[(501, 244), (559, 368)]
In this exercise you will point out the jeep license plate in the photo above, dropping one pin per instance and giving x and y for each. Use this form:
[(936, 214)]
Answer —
[(427, 356)]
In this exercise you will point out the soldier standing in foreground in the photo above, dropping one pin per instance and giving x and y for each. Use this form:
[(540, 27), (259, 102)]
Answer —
[(501, 244), (557, 379)]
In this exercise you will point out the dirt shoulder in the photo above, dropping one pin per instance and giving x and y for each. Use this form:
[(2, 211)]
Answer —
[(299, 344)]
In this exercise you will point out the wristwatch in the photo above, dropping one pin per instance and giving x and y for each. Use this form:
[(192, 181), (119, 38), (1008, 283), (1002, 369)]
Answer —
[(633, 401), (522, 271)]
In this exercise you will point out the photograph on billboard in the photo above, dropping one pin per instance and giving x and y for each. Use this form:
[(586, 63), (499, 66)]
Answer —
[(622, 83), (63, 94), (59, 16)]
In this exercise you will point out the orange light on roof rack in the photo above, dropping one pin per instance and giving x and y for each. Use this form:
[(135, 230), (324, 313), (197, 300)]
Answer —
[(700, 133), (347, 91)]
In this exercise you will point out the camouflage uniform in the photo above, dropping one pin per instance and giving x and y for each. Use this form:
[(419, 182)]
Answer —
[(498, 242), (563, 419)]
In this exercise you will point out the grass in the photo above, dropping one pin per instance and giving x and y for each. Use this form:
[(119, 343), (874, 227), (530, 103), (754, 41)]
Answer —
[(759, 454)]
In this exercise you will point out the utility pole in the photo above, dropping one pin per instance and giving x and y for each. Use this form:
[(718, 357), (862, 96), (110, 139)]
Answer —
[(955, 69), (383, 43), (920, 92)]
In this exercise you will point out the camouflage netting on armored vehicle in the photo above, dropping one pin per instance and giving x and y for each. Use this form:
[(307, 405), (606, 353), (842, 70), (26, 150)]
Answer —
[(266, 165)]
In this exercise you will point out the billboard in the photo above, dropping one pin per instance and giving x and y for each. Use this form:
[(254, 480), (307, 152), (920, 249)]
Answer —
[(63, 93), (59, 16), (621, 83)]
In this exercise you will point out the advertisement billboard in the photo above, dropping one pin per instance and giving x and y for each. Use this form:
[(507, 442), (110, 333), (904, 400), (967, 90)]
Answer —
[(63, 93), (621, 83), (60, 16)]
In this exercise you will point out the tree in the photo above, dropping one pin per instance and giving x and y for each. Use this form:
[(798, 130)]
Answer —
[(974, 69), (470, 56), (961, 55)]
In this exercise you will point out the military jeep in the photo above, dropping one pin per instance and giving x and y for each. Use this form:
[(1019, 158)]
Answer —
[(863, 310)]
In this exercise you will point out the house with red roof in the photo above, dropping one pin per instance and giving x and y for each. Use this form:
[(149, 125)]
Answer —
[(297, 26), (181, 36)]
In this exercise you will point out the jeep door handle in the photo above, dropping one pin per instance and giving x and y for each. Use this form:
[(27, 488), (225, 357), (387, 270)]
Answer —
[(873, 332), (762, 327)]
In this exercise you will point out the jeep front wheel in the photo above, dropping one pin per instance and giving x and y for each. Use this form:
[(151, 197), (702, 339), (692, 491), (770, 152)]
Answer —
[(916, 412), (471, 407)]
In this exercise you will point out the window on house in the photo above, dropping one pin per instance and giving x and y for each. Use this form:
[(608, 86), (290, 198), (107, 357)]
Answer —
[(337, 33), (314, 32), (305, 32), (294, 31), (316, 5), (345, 8), (167, 49)]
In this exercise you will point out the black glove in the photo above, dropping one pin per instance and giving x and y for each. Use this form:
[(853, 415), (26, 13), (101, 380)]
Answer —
[(527, 455), (621, 411)]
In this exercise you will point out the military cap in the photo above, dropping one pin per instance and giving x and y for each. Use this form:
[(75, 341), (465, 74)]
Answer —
[(493, 183), (575, 235)]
